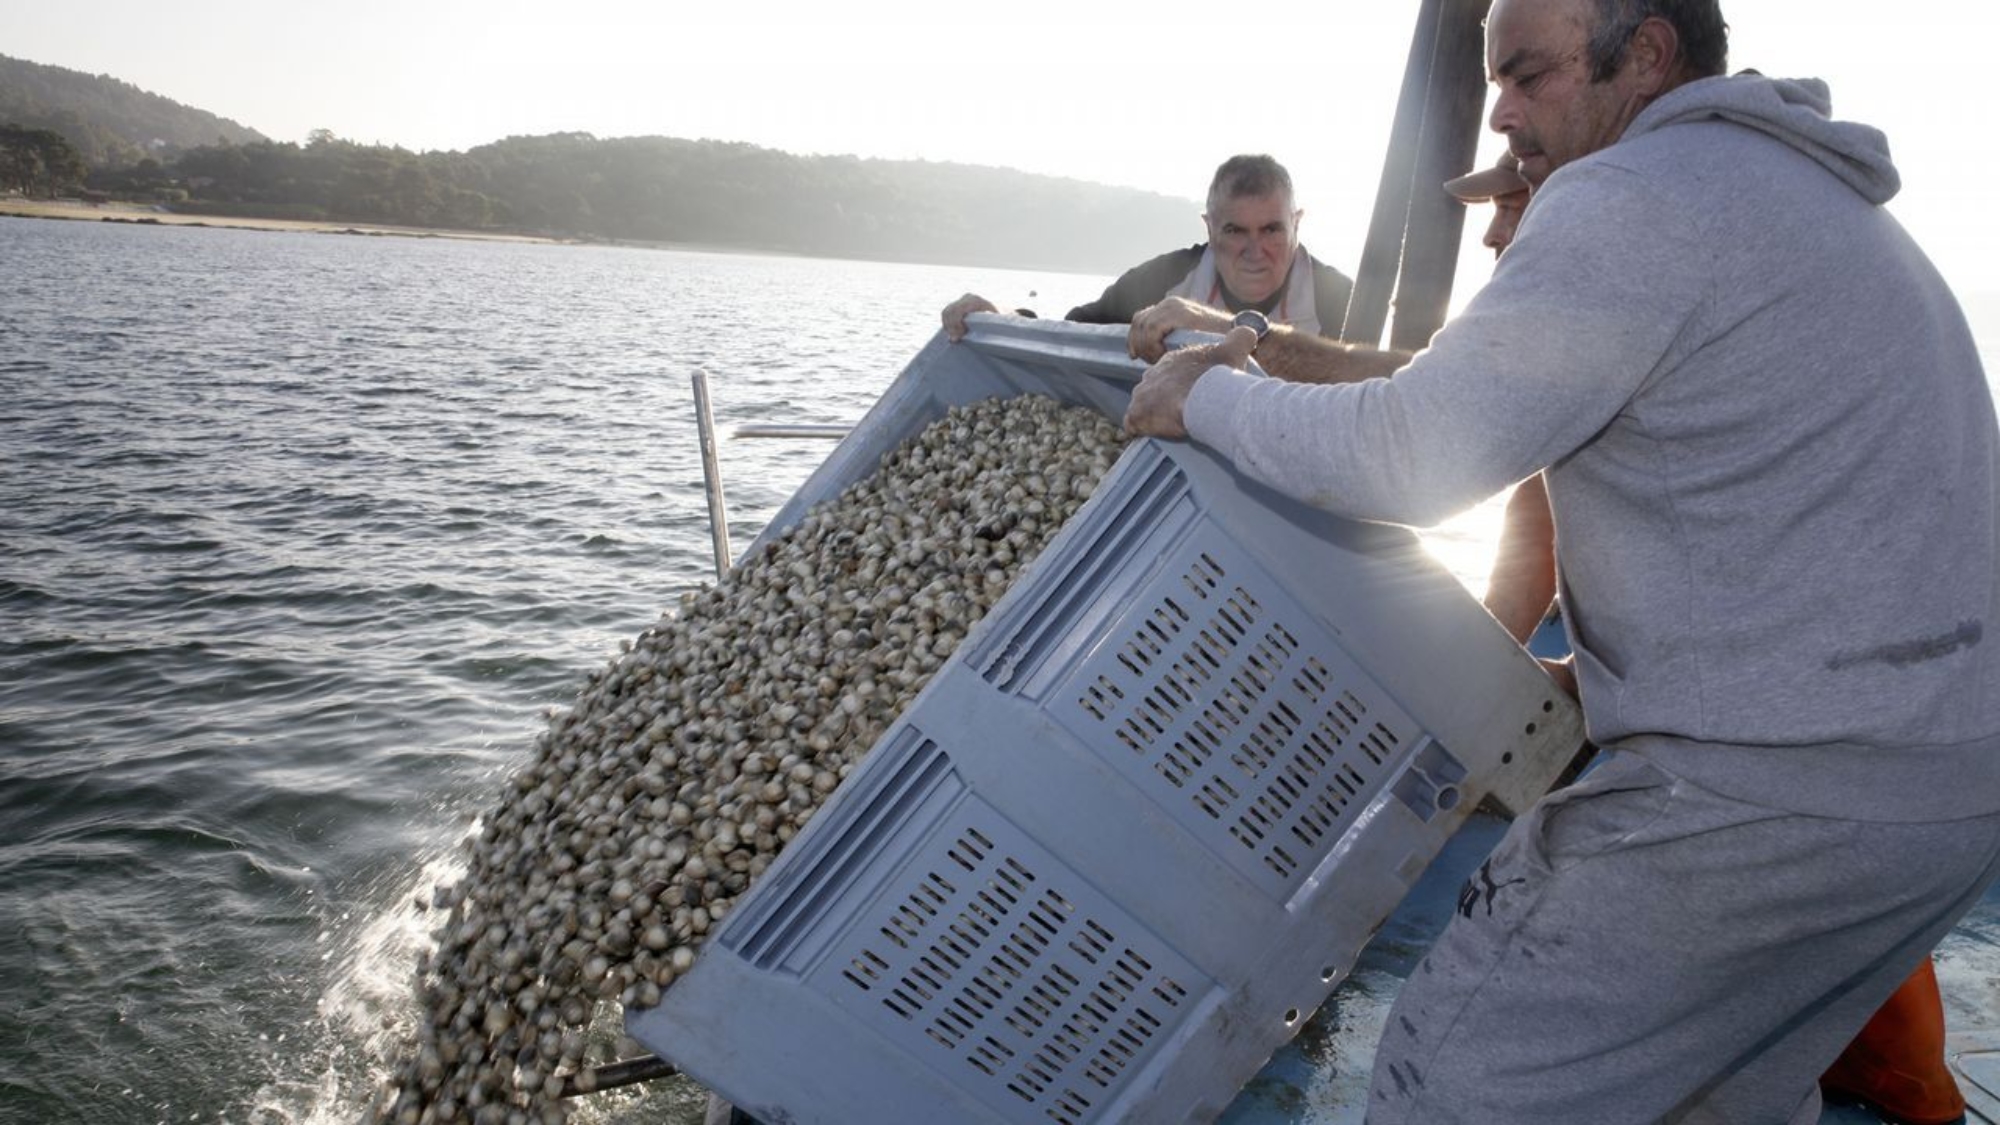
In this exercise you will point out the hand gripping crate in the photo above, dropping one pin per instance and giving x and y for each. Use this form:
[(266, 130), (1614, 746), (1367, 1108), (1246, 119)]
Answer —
[(1140, 824)]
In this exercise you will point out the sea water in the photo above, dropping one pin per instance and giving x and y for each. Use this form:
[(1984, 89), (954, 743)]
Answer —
[(301, 534)]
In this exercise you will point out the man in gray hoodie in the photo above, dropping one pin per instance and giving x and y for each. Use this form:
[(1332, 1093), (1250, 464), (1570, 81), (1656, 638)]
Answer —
[(1772, 453)]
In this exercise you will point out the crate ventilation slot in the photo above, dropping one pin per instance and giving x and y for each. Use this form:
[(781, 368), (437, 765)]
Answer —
[(1017, 979), (1239, 714), (893, 804), (1140, 508)]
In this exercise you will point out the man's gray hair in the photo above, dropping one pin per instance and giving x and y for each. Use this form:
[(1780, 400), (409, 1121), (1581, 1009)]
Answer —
[(1703, 34), (1252, 176)]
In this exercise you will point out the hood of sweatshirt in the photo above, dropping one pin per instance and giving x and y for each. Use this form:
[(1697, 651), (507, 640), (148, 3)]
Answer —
[(1795, 111)]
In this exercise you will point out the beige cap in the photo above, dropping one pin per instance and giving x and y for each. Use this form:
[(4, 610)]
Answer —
[(1504, 178)]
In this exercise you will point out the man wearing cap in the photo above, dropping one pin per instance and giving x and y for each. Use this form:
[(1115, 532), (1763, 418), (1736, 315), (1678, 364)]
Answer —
[(1523, 583), (1251, 264), (1774, 455), (1502, 186)]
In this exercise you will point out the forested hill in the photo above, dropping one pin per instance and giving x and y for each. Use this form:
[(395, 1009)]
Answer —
[(665, 189), (142, 147), (711, 191), (107, 121)]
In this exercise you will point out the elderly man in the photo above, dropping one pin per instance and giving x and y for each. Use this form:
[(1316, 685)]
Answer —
[(1772, 453), (1252, 263)]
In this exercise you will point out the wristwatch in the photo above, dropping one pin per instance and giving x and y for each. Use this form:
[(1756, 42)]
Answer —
[(1255, 321)]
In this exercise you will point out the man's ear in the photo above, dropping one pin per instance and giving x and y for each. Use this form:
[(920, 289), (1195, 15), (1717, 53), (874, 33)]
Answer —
[(1654, 54)]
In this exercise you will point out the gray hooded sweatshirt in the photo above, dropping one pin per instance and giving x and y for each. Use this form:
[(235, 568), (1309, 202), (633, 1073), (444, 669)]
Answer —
[(1771, 453)]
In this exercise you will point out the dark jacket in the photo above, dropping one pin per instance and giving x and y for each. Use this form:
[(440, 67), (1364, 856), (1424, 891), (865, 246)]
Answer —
[(1148, 282)]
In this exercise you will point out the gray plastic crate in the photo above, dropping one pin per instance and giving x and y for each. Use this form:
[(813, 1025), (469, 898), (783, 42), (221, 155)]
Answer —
[(1142, 821)]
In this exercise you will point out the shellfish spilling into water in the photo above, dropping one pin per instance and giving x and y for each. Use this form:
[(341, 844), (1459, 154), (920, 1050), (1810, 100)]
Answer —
[(689, 761)]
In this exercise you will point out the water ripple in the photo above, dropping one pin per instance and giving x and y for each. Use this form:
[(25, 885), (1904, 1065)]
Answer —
[(301, 534)]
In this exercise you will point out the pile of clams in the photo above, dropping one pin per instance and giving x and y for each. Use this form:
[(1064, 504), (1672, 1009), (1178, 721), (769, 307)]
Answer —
[(687, 763)]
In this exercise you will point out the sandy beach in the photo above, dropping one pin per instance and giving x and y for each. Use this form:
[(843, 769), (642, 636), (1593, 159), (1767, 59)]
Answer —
[(135, 213)]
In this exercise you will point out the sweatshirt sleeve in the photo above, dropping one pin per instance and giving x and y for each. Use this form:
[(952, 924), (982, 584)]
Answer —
[(1588, 305)]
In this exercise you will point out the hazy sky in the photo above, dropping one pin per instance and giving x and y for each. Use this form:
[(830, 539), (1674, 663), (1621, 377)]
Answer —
[(1151, 95)]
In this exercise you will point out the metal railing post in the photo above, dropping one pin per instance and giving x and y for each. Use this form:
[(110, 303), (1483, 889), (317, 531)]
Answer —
[(711, 475)]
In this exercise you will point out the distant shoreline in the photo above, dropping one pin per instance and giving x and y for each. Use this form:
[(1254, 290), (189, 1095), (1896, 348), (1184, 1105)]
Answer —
[(136, 214), (146, 216)]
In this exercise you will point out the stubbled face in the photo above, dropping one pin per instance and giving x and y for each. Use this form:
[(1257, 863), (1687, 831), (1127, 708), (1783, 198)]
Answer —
[(1507, 212), (1254, 237), (1548, 109)]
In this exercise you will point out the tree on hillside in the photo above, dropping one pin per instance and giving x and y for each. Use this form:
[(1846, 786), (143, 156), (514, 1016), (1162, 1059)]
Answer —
[(147, 180), (38, 161), (111, 123)]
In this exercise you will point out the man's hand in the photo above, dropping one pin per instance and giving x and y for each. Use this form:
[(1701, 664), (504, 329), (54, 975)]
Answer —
[(1161, 396), (1150, 327), (956, 312)]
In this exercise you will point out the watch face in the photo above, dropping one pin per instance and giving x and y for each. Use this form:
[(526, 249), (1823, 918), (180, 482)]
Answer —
[(1254, 321)]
